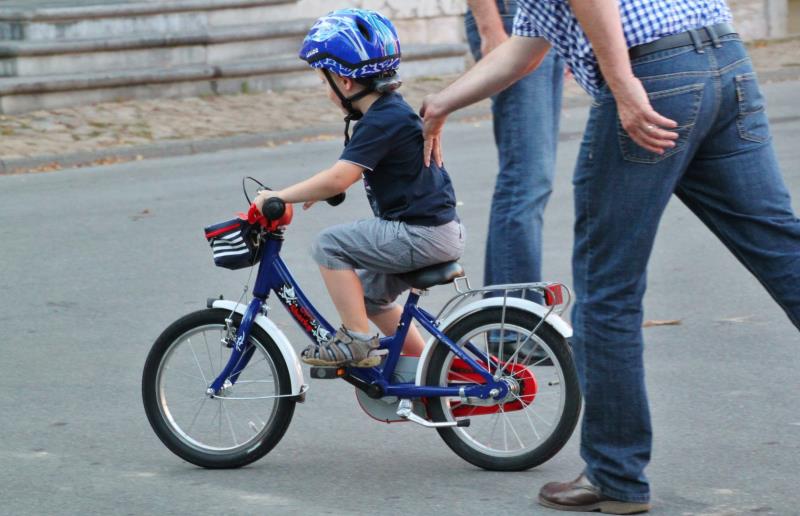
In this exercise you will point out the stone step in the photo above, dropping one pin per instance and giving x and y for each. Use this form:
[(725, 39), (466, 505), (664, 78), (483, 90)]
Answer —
[(127, 52), (59, 21), (20, 94)]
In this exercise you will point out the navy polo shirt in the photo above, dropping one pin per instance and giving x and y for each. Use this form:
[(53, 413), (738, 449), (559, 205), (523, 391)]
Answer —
[(387, 142)]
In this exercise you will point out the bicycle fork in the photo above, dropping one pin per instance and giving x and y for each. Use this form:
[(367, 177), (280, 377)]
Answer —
[(241, 353)]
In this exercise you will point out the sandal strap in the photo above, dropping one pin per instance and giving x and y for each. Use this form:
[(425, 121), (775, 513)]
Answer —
[(341, 349)]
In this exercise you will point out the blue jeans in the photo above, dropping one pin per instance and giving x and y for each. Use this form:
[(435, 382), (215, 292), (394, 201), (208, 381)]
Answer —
[(525, 120), (724, 169)]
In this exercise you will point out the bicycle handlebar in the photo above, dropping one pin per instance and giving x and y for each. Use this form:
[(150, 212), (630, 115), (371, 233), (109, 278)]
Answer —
[(274, 207), (336, 200)]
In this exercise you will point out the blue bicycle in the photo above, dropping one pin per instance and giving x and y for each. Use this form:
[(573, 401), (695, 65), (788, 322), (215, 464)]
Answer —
[(496, 379)]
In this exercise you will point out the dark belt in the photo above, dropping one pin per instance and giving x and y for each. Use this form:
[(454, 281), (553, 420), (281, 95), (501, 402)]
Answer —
[(697, 37)]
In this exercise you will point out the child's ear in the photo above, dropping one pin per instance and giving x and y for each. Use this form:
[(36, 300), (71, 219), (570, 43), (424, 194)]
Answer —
[(347, 84)]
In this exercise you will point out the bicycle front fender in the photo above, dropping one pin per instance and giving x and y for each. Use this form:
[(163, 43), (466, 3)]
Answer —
[(289, 355), (553, 320)]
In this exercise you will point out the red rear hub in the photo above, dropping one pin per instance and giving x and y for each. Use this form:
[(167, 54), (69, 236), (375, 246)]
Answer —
[(521, 378)]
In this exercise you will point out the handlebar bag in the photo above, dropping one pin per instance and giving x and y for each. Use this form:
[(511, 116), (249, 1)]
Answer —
[(234, 243)]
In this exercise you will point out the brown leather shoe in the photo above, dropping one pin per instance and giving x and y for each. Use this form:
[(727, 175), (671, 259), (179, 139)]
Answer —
[(581, 496)]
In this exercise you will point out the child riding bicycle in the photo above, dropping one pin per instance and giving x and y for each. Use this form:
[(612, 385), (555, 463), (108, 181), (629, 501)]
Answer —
[(356, 53)]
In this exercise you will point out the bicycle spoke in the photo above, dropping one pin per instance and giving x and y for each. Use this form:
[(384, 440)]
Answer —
[(505, 435), (196, 361), (462, 377), (193, 377), (530, 355), (519, 347), (494, 427), (230, 423), (525, 406), (221, 337), (185, 400), (208, 351), (202, 403), (219, 413), (253, 364), (541, 418), (245, 382), (511, 425), (250, 424)]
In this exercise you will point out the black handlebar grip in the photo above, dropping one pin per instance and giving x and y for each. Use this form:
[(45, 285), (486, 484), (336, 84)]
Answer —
[(336, 200), (273, 208)]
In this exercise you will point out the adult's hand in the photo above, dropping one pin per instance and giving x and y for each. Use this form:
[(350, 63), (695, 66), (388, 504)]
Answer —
[(642, 123), (433, 119), (603, 26), (489, 23)]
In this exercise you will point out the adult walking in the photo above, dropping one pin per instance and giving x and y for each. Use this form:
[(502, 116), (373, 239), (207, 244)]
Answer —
[(525, 119), (677, 109)]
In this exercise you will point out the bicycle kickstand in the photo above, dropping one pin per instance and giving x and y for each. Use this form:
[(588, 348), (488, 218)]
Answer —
[(405, 411)]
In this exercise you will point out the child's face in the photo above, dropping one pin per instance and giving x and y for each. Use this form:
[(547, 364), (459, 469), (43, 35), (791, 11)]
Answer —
[(345, 85)]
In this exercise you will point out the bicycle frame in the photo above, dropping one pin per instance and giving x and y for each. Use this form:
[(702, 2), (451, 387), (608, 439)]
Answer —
[(273, 275)]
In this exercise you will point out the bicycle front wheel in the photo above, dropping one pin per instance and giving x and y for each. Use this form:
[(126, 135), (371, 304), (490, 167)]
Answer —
[(235, 427), (537, 417)]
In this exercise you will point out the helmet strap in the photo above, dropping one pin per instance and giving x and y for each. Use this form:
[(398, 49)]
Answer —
[(347, 103)]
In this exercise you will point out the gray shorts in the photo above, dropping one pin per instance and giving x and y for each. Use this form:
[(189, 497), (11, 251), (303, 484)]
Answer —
[(377, 249)]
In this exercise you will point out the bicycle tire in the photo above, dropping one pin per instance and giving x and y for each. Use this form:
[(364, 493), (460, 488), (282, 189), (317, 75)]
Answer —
[(559, 356), (176, 435)]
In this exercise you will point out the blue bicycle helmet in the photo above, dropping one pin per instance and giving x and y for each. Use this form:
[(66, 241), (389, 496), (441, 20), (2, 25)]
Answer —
[(352, 43), (358, 44)]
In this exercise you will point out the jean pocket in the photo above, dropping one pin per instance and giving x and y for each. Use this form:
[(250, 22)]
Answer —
[(679, 104), (751, 120)]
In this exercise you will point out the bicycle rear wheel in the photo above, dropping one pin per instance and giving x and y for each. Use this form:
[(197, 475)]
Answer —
[(536, 419), (239, 425)]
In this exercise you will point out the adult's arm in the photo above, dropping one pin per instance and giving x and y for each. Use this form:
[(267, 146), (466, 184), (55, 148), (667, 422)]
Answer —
[(600, 20), (508, 63), (489, 23)]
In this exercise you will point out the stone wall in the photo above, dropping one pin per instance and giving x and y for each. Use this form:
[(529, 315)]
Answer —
[(439, 21), (417, 21), (760, 19)]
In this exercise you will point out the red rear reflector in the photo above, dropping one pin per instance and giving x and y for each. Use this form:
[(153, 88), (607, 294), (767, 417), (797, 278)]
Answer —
[(553, 295)]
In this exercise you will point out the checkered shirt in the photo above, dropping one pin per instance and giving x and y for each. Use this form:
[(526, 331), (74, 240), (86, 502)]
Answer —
[(643, 21)]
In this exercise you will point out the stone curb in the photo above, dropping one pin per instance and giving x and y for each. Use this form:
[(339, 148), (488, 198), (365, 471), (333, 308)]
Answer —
[(177, 148)]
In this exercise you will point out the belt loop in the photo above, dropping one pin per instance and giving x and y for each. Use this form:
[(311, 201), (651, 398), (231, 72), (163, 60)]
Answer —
[(696, 41), (713, 35)]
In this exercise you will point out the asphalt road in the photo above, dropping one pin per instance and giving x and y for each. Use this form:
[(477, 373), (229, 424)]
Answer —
[(96, 262)]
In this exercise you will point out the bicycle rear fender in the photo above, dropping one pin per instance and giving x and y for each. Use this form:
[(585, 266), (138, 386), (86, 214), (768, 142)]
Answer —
[(289, 355), (553, 320)]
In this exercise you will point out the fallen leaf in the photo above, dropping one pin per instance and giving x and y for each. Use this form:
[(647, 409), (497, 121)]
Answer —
[(740, 319), (666, 322)]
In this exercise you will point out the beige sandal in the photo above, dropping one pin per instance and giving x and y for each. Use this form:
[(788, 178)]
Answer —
[(344, 349)]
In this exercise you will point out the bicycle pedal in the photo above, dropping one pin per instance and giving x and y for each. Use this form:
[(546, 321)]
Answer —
[(462, 422), (327, 373)]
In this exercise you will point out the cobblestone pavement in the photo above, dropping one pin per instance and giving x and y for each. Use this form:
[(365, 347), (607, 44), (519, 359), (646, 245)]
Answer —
[(119, 125)]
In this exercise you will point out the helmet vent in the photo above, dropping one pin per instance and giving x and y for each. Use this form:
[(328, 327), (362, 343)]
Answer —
[(363, 28)]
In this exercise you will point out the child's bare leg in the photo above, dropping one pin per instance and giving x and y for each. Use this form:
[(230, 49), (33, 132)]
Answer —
[(387, 322), (348, 297)]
